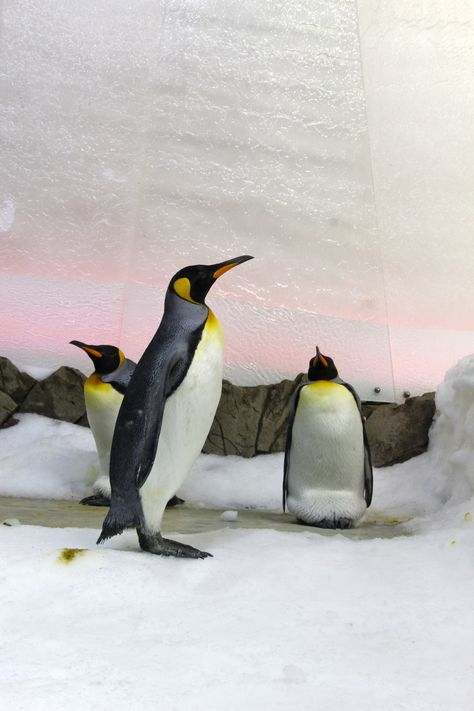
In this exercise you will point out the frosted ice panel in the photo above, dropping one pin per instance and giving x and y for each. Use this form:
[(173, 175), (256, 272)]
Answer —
[(421, 357), (39, 316), (418, 61), (258, 144), (74, 86)]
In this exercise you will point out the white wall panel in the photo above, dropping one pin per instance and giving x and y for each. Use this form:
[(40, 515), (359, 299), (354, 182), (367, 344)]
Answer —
[(418, 62), (40, 315), (140, 136), (74, 84), (258, 144)]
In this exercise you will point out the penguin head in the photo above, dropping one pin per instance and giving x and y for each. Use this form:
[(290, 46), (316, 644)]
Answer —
[(106, 359), (321, 367), (192, 283)]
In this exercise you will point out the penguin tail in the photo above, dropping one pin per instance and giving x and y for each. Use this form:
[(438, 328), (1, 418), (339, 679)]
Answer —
[(121, 515)]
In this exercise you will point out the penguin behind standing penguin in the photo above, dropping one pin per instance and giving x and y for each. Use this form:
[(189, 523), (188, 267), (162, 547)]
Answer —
[(103, 395), (167, 411), (103, 400), (327, 471)]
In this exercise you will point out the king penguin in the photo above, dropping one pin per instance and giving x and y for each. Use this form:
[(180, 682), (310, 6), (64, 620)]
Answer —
[(167, 411), (103, 400), (327, 470), (103, 395)]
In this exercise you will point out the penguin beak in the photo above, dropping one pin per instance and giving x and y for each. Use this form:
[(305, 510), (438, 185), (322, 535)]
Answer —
[(86, 348), (320, 357), (223, 267)]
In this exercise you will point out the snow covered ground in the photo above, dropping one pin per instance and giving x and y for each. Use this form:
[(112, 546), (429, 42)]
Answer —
[(274, 620)]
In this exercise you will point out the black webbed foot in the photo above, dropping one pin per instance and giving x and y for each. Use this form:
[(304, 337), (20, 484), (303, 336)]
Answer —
[(332, 523), (155, 543), (102, 500), (95, 500), (174, 501)]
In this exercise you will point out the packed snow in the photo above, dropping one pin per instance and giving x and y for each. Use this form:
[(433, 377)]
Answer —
[(275, 619)]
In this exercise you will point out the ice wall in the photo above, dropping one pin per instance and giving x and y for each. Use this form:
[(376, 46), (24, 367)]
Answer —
[(138, 137), (418, 60)]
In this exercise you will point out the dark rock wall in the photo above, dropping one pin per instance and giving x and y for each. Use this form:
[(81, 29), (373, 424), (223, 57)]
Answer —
[(251, 420), (399, 432), (248, 421)]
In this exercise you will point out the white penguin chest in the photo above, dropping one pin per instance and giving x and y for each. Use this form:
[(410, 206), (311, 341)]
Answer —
[(102, 404), (327, 438), (187, 419)]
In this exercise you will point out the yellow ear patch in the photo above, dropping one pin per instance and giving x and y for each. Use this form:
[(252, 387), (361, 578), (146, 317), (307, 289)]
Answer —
[(182, 287), (121, 355)]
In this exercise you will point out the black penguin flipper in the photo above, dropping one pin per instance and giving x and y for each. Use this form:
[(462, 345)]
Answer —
[(286, 466), (368, 473), (134, 446)]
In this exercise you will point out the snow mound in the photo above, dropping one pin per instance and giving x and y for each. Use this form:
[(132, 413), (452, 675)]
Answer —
[(46, 459), (451, 448)]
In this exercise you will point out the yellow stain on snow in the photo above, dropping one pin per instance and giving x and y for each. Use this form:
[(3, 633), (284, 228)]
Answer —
[(387, 520), (468, 517), (67, 555)]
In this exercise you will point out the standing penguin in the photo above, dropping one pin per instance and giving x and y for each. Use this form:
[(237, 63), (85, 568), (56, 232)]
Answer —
[(103, 400), (167, 411), (328, 471)]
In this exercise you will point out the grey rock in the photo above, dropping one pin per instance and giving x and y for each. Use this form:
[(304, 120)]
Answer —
[(83, 421), (398, 432), (248, 421), (7, 408), (13, 382), (60, 396), (369, 406), (251, 420)]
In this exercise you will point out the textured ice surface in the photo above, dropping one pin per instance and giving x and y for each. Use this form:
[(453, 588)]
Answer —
[(417, 63), (138, 137)]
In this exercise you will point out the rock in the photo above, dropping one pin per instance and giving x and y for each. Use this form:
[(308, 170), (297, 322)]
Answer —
[(13, 382), (398, 432), (251, 420), (60, 396), (369, 406), (83, 421), (7, 408), (248, 421)]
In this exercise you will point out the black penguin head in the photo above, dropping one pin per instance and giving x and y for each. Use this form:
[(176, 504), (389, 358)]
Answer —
[(106, 359), (321, 367), (192, 283)]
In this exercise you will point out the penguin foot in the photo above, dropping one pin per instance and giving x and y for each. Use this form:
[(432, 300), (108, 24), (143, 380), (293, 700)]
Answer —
[(155, 543), (95, 500), (102, 500), (174, 501), (333, 523)]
